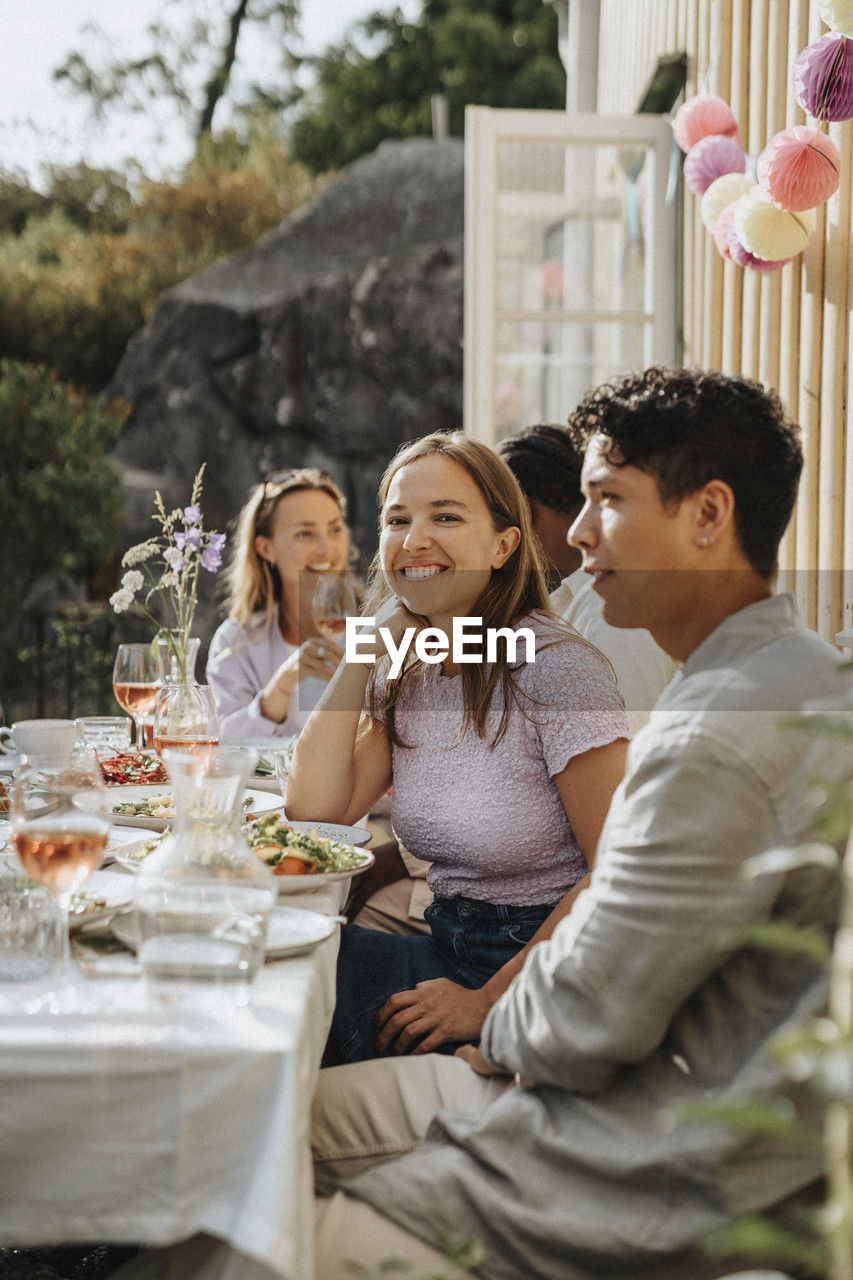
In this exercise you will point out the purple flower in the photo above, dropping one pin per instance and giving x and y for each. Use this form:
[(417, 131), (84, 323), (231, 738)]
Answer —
[(192, 539), (192, 515), (211, 557)]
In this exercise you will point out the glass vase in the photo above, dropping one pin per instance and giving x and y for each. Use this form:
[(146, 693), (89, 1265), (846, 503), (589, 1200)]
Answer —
[(203, 898), (185, 718)]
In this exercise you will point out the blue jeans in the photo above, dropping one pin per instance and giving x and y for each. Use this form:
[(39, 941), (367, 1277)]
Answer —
[(470, 941)]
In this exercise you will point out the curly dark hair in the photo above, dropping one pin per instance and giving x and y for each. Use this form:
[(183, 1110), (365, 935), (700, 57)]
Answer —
[(686, 427), (547, 465)]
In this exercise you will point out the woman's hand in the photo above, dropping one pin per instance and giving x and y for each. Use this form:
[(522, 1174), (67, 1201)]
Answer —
[(317, 657), (396, 619), (473, 1055), (438, 1009)]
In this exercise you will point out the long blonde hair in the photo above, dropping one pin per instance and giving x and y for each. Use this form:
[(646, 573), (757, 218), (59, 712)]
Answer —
[(251, 582), (513, 591)]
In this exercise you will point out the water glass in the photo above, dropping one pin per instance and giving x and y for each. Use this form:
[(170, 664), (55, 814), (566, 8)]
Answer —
[(29, 928), (107, 735)]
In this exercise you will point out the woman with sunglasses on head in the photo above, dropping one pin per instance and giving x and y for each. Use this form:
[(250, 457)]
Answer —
[(267, 665), (502, 770)]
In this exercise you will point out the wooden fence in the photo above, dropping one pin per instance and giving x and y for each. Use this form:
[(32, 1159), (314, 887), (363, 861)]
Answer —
[(790, 328)]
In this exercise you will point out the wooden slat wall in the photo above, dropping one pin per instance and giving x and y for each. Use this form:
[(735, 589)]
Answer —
[(790, 329)]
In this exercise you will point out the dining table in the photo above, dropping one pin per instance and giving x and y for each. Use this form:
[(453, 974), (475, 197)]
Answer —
[(179, 1126)]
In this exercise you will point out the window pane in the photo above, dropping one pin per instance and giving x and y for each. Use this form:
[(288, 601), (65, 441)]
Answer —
[(543, 369), (569, 228)]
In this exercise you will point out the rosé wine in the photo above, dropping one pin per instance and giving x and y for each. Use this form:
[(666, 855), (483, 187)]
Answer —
[(331, 626), (136, 699), (61, 859)]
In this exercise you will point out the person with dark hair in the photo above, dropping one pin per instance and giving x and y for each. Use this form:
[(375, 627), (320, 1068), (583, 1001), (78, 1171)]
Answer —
[(547, 465), (646, 999)]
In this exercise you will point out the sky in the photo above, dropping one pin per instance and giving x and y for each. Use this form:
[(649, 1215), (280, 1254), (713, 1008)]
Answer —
[(41, 122)]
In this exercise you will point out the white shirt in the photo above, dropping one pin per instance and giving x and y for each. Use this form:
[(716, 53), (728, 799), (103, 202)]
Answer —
[(642, 668)]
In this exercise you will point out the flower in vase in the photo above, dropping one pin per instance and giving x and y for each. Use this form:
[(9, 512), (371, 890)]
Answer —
[(171, 562)]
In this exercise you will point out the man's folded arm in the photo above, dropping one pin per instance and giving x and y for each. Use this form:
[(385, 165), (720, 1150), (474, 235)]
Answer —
[(667, 889)]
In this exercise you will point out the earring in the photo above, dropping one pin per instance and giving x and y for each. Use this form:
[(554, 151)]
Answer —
[(707, 540)]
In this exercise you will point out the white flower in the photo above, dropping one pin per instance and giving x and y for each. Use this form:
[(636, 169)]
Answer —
[(169, 580), (173, 557), (142, 551), (121, 600), (132, 581)]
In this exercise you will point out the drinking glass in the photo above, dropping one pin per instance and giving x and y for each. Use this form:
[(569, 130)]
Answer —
[(60, 825), (136, 683), (336, 598)]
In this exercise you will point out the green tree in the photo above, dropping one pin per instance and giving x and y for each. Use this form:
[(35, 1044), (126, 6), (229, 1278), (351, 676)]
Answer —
[(92, 256), (192, 54), (59, 496), (379, 83)]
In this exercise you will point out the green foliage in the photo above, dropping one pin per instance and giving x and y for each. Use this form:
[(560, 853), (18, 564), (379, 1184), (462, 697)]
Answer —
[(88, 264), (464, 1253), (59, 496), (817, 1056), (379, 82), (799, 1245), (784, 937)]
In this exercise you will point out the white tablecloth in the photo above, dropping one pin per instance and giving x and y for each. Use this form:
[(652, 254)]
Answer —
[(138, 1123)]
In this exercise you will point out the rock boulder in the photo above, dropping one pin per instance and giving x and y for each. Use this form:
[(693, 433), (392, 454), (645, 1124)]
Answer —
[(333, 340)]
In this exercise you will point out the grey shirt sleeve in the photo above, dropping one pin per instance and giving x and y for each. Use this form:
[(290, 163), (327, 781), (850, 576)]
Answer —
[(667, 883)]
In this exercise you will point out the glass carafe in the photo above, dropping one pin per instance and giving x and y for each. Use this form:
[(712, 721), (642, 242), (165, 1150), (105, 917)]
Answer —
[(185, 718), (203, 898)]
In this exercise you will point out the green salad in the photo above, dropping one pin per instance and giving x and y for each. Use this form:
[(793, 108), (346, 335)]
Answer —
[(273, 840)]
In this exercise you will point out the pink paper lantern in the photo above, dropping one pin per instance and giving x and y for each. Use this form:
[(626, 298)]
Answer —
[(799, 168), (709, 159), (721, 230), (700, 116), (741, 256), (838, 14), (823, 78)]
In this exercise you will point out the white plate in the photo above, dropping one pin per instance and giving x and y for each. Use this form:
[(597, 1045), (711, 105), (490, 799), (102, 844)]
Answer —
[(122, 838), (292, 930), (311, 883), (259, 802), (114, 887)]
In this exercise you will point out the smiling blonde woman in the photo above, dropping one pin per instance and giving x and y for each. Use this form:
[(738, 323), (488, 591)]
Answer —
[(267, 664)]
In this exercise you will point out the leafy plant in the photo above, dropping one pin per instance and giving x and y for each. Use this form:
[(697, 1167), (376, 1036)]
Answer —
[(819, 1056)]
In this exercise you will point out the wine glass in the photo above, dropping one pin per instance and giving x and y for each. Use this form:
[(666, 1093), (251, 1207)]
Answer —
[(336, 598), (60, 826), (136, 683)]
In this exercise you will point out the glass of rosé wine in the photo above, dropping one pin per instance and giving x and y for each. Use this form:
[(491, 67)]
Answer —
[(336, 598), (60, 826), (136, 683)]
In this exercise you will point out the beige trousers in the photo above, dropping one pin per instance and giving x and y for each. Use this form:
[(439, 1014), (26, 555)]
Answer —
[(394, 908), (372, 1111)]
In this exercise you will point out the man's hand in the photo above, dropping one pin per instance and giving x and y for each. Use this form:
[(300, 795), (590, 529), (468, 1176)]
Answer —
[(436, 1011)]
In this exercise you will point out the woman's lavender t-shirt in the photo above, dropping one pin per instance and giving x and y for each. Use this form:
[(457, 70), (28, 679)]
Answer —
[(491, 821)]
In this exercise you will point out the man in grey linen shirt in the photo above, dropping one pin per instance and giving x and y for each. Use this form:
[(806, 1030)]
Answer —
[(641, 1000)]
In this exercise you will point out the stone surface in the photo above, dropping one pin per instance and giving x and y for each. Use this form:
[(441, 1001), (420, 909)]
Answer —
[(333, 340)]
